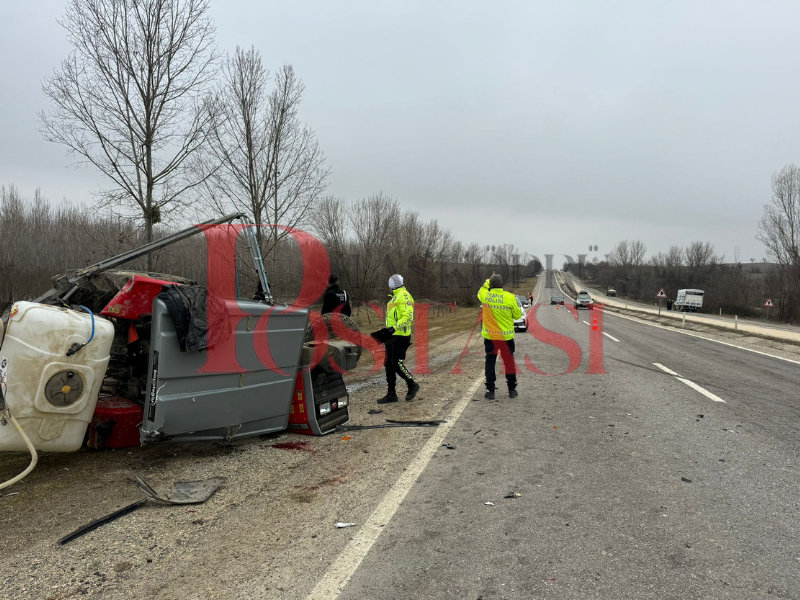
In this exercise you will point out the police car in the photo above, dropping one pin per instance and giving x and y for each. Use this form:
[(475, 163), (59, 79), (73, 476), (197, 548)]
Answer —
[(521, 324)]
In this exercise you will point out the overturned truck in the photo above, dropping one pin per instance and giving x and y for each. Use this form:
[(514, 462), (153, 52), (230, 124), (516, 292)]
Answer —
[(117, 358)]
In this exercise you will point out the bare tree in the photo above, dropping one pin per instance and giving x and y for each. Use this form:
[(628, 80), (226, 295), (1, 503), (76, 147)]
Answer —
[(701, 260), (779, 231), (331, 225), (372, 222), (262, 160), (131, 98), (779, 227)]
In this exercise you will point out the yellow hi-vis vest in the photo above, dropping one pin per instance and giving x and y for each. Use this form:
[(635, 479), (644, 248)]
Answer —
[(500, 308), (400, 312)]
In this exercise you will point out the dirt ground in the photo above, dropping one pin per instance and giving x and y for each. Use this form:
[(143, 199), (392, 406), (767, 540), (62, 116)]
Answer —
[(258, 536)]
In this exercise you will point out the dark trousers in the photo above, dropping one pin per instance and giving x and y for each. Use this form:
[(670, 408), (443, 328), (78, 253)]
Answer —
[(506, 350), (395, 360)]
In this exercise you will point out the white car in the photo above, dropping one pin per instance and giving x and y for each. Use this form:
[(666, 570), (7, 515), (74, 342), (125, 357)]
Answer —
[(521, 324)]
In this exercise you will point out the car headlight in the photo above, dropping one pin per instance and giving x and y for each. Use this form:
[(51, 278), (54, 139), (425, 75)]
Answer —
[(343, 402), (324, 409)]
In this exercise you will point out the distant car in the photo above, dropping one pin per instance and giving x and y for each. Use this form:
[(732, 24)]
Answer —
[(584, 300), (611, 292), (556, 299), (523, 301), (520, 324)]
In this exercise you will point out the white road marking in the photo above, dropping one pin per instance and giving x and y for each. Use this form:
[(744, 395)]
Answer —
[(666, 370), (703, 391), (345, 565), (691, 384), (797, 362), (605, 334)]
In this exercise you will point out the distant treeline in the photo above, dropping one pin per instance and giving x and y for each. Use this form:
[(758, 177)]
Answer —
[(736, 288), (367, 241)]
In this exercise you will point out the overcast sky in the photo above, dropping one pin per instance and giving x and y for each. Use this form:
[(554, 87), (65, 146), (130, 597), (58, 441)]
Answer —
[(553, 125)]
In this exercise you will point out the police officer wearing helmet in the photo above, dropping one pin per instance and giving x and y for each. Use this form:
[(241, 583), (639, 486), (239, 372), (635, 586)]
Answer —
[(500, 309), (399, 317)]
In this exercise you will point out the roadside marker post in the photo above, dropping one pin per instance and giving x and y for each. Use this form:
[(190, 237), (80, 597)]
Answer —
[(660, 295), (736, 322), (769, 305)]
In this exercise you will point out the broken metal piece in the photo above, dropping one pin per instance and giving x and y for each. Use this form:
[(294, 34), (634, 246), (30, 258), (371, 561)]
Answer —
[(101, 521), (184, 492)]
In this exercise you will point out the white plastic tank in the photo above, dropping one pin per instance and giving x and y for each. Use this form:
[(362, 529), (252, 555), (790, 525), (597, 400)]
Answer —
[(53, 396)]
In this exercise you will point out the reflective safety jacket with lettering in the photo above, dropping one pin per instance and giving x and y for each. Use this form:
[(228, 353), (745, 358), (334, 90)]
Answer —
[(500, 308), (400, 311)]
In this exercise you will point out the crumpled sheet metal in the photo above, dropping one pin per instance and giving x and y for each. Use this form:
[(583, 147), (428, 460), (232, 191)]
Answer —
[(183, 492)]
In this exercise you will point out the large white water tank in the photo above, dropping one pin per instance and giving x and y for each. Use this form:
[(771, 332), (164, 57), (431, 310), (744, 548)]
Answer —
[(53, 396)]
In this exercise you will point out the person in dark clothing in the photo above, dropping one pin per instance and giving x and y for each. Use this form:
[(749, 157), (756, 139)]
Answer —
[(335, 297)]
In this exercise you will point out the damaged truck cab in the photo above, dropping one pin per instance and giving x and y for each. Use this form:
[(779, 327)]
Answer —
[(133, 366)]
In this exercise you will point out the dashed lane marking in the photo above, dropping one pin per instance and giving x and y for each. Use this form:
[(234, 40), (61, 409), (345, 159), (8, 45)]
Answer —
[(691, 384)]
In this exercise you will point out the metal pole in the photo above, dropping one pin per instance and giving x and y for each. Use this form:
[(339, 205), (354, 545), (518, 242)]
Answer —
[(720, 311), (659, 307), (684, 320), (736, 322)]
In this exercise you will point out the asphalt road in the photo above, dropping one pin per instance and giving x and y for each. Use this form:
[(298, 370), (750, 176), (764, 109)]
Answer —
[(633, 483)]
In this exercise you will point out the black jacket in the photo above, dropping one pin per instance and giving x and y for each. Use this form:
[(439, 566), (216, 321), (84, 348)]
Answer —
[(333, 298)]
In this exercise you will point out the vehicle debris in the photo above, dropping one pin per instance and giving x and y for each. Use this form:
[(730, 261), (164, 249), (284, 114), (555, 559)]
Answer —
[(182, 492), (489, 503), (101, 521), (512, 494), (449, 446), (374, 411), (390, 424), (684, 479), (344, 525)]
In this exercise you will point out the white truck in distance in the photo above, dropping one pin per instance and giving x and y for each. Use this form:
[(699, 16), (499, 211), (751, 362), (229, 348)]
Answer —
[(688, 300)]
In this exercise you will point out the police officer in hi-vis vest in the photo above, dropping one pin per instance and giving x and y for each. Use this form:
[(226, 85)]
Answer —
[(500, 309), (399, 317)]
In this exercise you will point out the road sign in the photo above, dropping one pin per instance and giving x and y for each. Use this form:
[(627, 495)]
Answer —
[(769, 303), (661, 294)]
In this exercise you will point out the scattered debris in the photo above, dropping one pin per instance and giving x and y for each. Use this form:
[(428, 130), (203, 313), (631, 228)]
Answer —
[(183, 492), (721, 460), (390, 423), (449, 446), (611, 425), (374, 411), (512, 494), (13, 494), (432, 422), (347, 437), (489, 503), (101, 521), (686, 480), (480, 472), (343, 525), (700, 416), (477, 432)]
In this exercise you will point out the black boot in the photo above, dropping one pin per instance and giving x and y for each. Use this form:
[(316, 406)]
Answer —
[(413, 388), (513, 393), (489, 395), (389, 397)]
